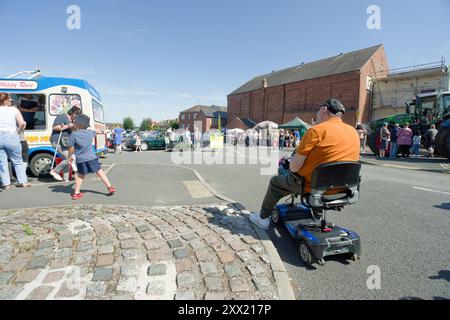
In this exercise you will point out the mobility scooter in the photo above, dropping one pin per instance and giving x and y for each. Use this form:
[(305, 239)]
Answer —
[(333, 186)]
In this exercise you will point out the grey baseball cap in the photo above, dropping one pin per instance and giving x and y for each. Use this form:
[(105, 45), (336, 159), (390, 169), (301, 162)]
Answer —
[(82, 120)]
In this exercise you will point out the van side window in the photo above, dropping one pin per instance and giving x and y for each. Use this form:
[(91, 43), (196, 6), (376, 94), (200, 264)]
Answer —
[(60, 103), (32, 108), (97, 110)]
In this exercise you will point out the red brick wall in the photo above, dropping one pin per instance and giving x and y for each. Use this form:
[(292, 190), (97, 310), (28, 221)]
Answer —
[(371, 68), (285, 102), (190, 122)]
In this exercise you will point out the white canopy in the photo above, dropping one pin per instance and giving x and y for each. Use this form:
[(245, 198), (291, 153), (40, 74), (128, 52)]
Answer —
[(235, 131), (266, 125)]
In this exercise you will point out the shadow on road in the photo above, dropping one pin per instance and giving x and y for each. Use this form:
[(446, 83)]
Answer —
[(235, 224), (408, 160), (289, 252), (442, 275), (69, 190), (444, 206), (421, 299)]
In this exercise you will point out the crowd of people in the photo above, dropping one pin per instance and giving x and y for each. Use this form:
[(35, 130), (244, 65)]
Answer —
[(289, 139), (273, 138), (404, 142)]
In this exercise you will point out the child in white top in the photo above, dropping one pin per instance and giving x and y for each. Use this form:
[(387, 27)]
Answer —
[(416, 144), (138, 143)]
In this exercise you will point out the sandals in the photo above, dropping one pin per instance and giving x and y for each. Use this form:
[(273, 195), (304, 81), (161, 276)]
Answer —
[(111, 190), (24, 185), (77, 196), (6, 188)]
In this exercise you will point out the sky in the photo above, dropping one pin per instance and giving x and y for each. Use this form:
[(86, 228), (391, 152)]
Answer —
[(157, 58)]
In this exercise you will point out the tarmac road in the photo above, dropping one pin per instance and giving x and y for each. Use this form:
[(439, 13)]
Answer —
[(404, 231), (402, 218)]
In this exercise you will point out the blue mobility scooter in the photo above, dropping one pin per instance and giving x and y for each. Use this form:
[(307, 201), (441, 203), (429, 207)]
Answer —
[(333, 186)]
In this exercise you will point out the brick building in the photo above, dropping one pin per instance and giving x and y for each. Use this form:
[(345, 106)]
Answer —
[(283, 95), (208, 115)]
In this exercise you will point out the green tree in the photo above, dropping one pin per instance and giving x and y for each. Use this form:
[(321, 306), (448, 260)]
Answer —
[(128, 123), (174, 124), (146, 124)]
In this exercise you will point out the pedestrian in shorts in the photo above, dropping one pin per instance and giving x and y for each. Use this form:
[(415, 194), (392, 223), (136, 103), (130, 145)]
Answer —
[(80, 144)]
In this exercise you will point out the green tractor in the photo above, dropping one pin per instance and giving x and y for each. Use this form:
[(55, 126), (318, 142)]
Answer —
[(425, 110)]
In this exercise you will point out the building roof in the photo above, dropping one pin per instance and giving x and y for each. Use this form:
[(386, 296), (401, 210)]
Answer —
[(249, 122), (222, 114), (237, 123), (351, 61), (207, 110)]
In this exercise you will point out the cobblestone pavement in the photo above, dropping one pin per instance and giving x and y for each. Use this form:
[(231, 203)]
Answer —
[(116, 252)]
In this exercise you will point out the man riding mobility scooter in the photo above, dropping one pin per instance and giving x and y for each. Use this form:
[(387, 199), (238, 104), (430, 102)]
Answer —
[(333, 186)]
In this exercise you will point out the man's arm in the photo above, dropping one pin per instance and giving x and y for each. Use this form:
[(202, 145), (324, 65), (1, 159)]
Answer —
[(21, 124), (35, 109), (308, 143), (59, 125), (71, 146), (71, 151), (297, 162)]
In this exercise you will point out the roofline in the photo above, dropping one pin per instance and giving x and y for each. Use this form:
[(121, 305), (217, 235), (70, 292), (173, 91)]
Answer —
[(283, 84), (201, 105), (378, 46)]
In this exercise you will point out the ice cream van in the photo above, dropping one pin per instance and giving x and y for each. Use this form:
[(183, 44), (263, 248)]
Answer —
[(40, 99)]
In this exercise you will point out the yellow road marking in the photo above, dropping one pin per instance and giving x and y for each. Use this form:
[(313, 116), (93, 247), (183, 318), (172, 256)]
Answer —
[(197, 190)]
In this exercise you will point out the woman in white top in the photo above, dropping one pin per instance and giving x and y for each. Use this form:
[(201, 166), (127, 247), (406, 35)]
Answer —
[(11, 121)]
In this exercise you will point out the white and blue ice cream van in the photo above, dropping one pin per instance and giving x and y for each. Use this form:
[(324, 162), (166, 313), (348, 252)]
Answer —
[(40, 99)]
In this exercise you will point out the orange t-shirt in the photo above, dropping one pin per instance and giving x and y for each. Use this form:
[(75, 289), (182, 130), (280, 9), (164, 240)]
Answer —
[(329, 141)]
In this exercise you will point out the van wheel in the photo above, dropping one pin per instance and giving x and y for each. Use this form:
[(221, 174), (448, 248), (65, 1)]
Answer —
[(40, 165)]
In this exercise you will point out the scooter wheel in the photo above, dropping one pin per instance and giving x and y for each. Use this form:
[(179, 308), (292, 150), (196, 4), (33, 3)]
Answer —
[(305, 253), (355, 257), (275, 217)]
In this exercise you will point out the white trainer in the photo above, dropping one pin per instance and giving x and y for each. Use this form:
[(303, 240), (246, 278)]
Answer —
[(55, 175), (260, 222)]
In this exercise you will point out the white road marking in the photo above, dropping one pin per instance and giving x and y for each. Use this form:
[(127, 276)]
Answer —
[(430, 190), (445, 166), (400, 167)]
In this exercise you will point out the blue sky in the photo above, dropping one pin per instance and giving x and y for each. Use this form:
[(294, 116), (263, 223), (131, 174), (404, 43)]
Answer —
[(155, 58)]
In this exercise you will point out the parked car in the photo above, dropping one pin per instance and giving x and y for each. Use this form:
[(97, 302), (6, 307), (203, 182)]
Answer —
[(152, 140), (126, 139), (180, 144)]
